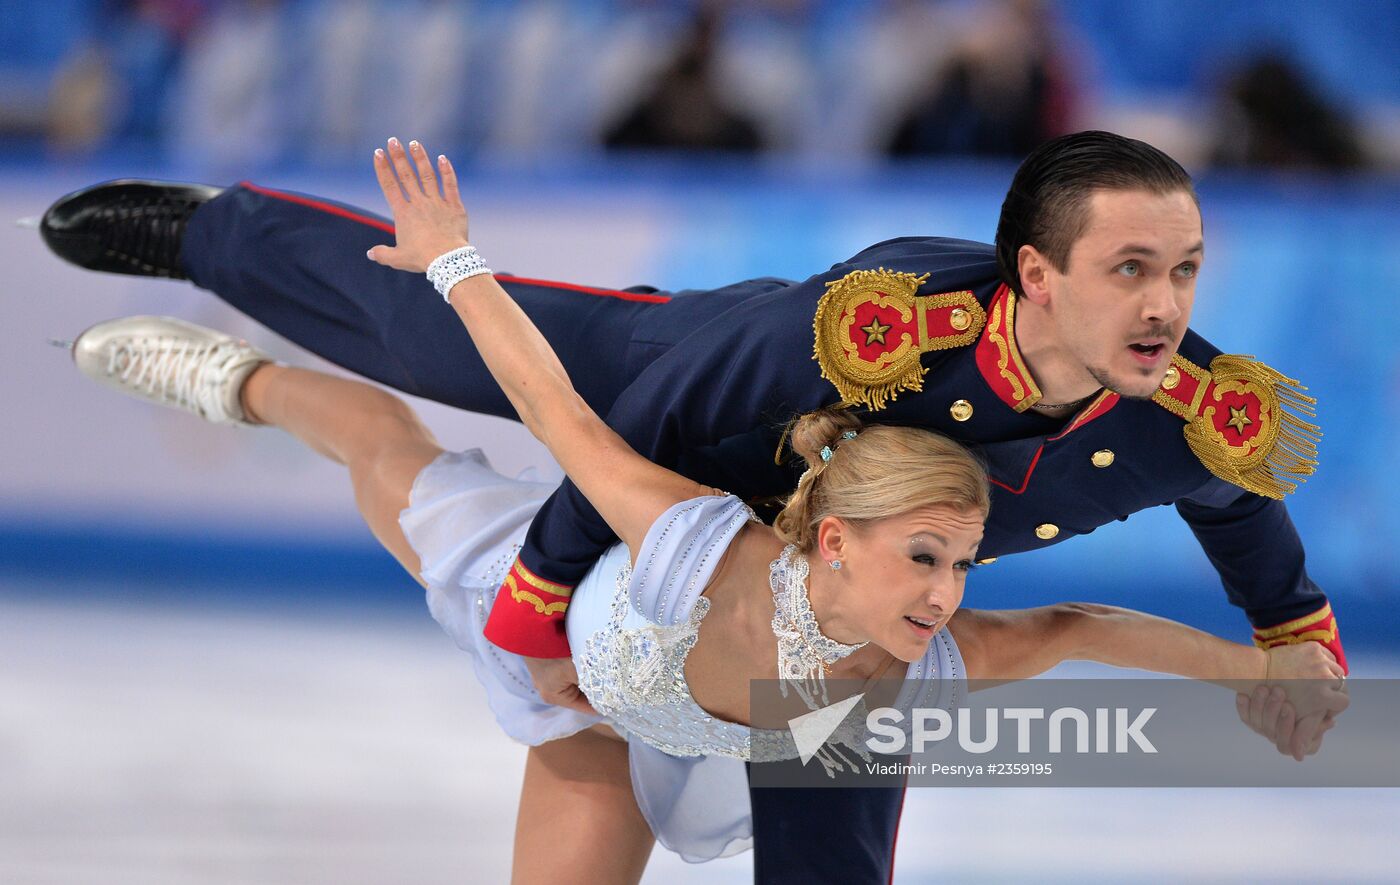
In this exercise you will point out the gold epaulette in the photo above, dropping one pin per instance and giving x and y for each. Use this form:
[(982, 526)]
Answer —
[(1243, 421), (871, 327)]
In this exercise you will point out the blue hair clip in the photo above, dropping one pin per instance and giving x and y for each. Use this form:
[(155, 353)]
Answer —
[(826, 450)]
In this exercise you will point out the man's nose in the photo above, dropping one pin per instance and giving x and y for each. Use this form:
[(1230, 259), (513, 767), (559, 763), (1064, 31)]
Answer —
[(1160, 304)]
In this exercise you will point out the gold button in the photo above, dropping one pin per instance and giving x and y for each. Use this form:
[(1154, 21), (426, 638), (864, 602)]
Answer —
[(1171, 379), (960, 319), (960, 410), (1102, 458), (988, 561), (1046, 530)]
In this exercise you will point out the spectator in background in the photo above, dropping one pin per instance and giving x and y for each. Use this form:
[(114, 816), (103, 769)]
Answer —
[(230, 109), (116, 85), (686, 110), (1000, 92), (1273, 116)]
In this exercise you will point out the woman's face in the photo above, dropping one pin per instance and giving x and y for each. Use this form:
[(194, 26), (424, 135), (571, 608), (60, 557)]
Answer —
[(901, 577)]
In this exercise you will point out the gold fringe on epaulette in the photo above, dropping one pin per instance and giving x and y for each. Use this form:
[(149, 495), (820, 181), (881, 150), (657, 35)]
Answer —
[(875, 396), (865, 385), (1287, 452)]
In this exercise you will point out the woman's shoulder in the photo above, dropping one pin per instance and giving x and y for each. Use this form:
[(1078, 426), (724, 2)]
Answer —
[(685, 525), (681, 552)]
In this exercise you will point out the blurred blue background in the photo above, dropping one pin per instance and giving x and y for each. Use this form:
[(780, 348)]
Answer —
[(680, 145), (687, 145)]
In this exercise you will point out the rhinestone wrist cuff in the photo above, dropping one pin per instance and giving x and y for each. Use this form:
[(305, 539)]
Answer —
[(450, 268)]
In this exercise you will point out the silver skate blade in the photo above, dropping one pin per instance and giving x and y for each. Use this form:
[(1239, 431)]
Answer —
[(59, 342), (30, 223)]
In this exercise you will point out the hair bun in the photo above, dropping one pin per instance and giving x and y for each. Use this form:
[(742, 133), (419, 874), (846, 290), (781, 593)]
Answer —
[(821, 428), (891, 470)]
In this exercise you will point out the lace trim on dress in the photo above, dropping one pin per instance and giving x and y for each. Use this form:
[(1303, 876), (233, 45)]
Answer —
[(805, 653)]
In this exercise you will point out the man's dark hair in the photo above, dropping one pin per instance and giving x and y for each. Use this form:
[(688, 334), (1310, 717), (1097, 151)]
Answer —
[(1048, 204)]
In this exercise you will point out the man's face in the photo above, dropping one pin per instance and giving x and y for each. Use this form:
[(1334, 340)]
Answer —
[(1122, 305)]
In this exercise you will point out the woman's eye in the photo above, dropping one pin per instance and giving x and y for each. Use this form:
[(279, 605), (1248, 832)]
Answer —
[(1130, 269), (966, 565), (926, 558)]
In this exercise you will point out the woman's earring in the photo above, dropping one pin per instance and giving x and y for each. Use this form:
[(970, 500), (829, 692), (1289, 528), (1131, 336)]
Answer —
[(835, 564)]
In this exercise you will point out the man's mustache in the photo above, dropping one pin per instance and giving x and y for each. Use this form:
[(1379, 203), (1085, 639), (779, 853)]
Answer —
[(1162, 330)]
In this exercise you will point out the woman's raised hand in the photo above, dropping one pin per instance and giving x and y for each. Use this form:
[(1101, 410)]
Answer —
[(428, 221)]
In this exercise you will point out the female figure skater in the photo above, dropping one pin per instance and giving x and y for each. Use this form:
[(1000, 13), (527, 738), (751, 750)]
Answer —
[(862, 575)]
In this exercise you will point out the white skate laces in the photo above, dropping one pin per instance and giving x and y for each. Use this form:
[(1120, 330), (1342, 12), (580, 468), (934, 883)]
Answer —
[(172, 363)]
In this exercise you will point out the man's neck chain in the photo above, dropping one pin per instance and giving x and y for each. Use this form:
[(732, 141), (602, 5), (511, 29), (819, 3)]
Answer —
[(1064, 407)]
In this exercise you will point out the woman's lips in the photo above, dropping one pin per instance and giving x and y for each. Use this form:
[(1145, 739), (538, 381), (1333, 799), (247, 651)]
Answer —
[(919, 629)]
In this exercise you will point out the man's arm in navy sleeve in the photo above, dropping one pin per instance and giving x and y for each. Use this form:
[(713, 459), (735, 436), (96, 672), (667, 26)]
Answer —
[(1255, 548)]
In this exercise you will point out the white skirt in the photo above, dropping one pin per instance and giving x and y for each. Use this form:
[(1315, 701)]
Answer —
[(466, 522)]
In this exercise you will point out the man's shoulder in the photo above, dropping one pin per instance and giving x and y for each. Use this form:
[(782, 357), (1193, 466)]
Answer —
[(962, 263), (1247, 422)]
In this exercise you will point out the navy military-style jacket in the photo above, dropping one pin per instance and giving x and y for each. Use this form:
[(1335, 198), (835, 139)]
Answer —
[(921, 332)]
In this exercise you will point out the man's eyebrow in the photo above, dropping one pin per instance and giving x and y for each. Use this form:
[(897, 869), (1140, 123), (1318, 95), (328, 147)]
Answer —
[(1149, 252)]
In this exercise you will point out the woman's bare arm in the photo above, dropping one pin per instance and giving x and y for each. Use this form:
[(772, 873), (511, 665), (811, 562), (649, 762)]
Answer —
[(1008, 645), (628, 490), (1002, 646)]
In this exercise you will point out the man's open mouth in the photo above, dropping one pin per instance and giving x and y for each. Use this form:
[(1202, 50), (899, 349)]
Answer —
[(1149, 354)]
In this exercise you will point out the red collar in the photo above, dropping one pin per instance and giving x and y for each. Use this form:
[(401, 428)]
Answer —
[(999, 360)]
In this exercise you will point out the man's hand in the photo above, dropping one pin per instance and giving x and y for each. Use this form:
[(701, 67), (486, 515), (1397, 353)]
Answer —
[(1296, 712), (557, 682), (427, 222)]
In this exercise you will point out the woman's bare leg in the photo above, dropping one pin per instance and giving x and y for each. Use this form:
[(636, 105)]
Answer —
[(583, 779), (579, 821), (373, 433)]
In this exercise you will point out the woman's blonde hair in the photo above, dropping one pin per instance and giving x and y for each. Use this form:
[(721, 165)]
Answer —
[(877, 472)]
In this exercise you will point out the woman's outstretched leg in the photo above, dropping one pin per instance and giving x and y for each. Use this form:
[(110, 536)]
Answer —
[(227, 381), (376, 435)]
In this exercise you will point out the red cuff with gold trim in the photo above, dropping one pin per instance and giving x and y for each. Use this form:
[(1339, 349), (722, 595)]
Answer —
[(1320, 626), (528, 617)]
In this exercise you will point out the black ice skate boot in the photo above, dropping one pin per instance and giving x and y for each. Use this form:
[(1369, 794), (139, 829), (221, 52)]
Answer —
[(127, 226)]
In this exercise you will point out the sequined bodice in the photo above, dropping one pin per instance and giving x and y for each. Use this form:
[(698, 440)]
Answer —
[(636, 677), (632, 668)]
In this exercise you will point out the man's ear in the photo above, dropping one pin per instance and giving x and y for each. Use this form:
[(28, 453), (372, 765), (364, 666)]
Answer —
[(832, 538), (1035, 270)]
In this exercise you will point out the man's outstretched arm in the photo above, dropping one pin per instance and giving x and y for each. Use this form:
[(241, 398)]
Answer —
[(1255, 548)]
